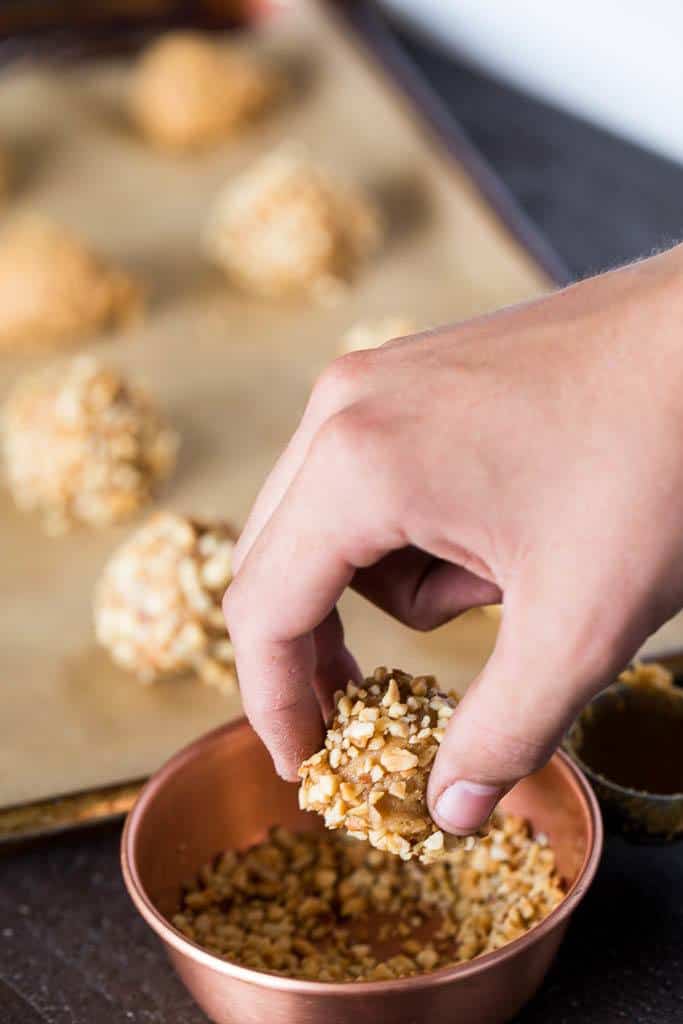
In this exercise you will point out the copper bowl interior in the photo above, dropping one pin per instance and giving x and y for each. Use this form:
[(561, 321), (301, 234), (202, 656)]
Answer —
[(221, 792)]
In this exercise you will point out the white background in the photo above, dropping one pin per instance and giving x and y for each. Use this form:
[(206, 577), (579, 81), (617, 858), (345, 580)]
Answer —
[(616, 62)]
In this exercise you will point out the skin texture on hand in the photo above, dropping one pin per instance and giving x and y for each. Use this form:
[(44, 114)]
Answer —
[(534, 454)]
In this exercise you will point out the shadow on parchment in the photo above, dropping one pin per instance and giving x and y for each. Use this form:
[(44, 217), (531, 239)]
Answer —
[(404, 205)]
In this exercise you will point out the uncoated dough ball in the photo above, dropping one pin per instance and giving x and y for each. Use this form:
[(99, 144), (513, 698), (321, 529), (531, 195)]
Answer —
[(53, 288), (376, 333), (188, 92), (158, 602), (286, 226), (82, 445)]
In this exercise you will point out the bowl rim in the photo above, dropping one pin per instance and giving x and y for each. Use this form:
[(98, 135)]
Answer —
[(444, 975)]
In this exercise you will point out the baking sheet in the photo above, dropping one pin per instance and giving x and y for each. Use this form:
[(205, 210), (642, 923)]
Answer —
[(232, 371)]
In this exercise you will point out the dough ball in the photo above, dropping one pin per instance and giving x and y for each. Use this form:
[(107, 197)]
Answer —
[(53, 288), (371, 776), (374, 333), (287, 226), (190, 92), (82, 445), (158, 602)]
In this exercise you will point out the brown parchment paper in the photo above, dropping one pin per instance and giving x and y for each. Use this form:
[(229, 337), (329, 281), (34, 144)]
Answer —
[(233, 372)]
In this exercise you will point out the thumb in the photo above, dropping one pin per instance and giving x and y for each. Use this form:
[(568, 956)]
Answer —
[(514, 714)]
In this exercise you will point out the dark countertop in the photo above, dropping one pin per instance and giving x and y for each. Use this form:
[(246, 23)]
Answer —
[(72, 949)]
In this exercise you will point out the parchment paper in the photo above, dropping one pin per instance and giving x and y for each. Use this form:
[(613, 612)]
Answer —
[(233, 373)]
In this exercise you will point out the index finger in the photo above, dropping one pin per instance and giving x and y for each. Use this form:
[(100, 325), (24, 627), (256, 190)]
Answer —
[(290, 581)]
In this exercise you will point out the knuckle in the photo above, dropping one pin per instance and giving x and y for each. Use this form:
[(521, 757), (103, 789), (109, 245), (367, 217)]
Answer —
[(340, 382), (341, 439), (234, 606)]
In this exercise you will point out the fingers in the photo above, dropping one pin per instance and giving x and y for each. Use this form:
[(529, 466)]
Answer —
[(422, 591), (514, 715), (335, 665), (340, 384), (332, 520)]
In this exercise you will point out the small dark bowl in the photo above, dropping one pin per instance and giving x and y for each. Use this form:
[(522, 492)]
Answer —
[(640, 814)]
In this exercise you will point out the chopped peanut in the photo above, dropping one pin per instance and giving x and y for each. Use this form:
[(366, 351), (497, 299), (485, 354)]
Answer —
[(322, 907)]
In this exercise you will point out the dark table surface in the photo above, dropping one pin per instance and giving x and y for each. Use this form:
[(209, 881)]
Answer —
[(73, 951)]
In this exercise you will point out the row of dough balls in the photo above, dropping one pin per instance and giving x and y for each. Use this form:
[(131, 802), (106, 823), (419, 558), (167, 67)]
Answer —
[(83, 444), (158, 602), (284, 227)]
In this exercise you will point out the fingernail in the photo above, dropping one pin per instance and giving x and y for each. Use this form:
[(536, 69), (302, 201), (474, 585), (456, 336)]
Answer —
[(465, 806)]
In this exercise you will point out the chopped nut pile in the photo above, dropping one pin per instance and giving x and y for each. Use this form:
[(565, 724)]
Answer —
[(158, 602), (287, 226), (83, 445), (650, 675), (376, 333), (371, 776), (54, 289), (189, 92), (326, 908)]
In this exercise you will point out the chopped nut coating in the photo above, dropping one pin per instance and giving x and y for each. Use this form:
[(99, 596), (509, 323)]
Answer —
[(83, 445), (323, 907), (158, 602), (286, 227), (378, 754)]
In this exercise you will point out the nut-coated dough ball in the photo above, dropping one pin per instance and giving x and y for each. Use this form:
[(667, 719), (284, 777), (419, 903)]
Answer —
[(158, 602), (286, 226), (371, 776), (83, 445)]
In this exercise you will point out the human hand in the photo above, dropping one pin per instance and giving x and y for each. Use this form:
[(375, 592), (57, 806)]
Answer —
[(535, 454)]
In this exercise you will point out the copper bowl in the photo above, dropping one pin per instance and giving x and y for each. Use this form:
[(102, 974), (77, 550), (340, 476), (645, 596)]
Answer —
[(222, 792)]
